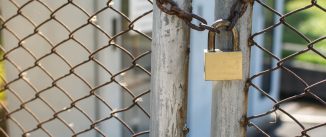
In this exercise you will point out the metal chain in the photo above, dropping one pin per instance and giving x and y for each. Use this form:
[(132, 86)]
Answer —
[(237, 10), (171, 7)]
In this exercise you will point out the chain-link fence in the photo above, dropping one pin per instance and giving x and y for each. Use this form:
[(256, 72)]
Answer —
[(82, 68), (313, 46), (75, 68)]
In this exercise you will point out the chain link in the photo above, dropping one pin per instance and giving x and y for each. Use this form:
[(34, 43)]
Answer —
[(54, 55), (170, 7), (237, 10), (302, 86)]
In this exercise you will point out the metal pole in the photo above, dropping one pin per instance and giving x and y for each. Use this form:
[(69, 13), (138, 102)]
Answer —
[(199, 97), (229, 100), (169, 69), (277, 50)]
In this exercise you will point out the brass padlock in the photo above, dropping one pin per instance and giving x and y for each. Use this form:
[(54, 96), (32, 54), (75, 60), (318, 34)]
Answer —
[(223, 65)]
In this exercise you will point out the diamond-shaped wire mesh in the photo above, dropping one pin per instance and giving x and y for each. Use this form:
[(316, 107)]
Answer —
[(74, 68), (81, 68), (314, 46)]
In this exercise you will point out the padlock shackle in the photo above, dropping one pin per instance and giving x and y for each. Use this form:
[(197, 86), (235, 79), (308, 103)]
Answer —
[(211, 35)]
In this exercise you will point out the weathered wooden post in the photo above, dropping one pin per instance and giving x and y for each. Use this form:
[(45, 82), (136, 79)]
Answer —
[(229, 99), (170, 50)]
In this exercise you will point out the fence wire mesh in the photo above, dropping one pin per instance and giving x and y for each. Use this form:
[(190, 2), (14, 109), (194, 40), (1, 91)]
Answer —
[(74, 68), (64, 77), (314, 46)]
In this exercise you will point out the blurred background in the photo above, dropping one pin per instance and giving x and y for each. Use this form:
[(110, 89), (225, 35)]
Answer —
[(282, 41), (68, 65)]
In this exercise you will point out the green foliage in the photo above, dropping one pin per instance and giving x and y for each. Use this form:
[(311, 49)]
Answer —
[(312, 58), (311, 22)]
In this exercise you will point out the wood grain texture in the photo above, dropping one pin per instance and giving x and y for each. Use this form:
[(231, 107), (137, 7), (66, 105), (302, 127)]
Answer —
[(169, 69), (229, 98)]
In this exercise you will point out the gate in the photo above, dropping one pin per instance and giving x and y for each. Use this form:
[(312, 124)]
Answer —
[(91, 69), (75, 68)]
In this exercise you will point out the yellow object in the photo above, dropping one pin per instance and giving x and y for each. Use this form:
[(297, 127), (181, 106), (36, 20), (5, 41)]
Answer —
[(221, 65)]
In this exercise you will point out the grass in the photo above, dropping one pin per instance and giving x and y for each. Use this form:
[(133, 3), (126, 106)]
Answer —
[(311, 23), (312, 58)]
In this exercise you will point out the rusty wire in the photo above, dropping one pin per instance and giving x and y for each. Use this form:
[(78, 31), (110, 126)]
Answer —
[(112, 41), (308, 90), (167, 6)]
